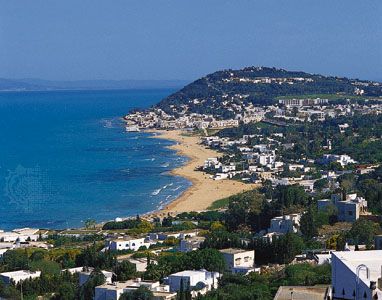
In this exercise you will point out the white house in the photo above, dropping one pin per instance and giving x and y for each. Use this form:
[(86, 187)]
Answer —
[(197, 281), (112, 291), (17, 276), (349, 210), (191, 244), (343, 159), (286, 223), (2, 252), (357, 274), (21, 235), (211, 162), (127, 243), (266, 159), (239, 260), (227, 168)]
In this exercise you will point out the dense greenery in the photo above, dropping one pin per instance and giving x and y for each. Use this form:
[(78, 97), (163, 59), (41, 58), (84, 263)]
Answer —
[(168, 263), (51, 262), (251, 211), (361, 140), (254, 286)]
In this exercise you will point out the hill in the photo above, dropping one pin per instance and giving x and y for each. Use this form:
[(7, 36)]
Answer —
[(260, 86)]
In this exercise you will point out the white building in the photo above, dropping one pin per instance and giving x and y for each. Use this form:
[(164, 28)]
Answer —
[(112, 291), (349, 210), (239, 260), (343, 159), (357, 274), (2, 252), (197, 281), (18, 276), (127, 244), (20, 235), (285, 224), (227, 168), (162, 236), (266, 159), (211, 162), (191, 244)]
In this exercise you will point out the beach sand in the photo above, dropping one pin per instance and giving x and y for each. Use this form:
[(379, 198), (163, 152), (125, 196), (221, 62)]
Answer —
[(204, 190)]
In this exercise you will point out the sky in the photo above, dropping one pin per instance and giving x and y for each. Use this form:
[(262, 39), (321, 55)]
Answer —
[(184, 39)]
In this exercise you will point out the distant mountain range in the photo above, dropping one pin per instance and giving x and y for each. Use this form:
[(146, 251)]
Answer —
[(47, 85)]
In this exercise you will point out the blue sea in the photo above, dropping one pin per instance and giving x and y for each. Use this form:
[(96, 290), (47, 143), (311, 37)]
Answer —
[(65, 157)]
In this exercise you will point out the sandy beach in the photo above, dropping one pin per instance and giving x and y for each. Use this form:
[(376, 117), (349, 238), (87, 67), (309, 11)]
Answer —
[(204, 190)]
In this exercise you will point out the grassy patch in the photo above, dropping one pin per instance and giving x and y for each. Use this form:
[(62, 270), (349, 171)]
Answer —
[(221, 203)]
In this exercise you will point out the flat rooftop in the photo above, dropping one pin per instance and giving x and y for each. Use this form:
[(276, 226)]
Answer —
[(19, 273), (189, 273), (371, 258), (119, 285), (301, 292), (234, 250)]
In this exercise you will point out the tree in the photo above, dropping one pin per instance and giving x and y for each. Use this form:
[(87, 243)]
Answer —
[(242, 209), (321, 183), (15, 260), (87, 290), (125, 270), (286, 247), (363, 232), (90, 223), (308, 224), (66, 291), (217, 226)]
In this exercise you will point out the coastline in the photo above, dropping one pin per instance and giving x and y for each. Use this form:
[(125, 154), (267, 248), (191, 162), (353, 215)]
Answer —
[(204, 190)]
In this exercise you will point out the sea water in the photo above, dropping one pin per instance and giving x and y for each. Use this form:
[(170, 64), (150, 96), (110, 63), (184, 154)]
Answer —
[(65, 157)]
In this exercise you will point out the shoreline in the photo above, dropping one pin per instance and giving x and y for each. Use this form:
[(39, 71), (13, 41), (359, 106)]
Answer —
[(204, 190)]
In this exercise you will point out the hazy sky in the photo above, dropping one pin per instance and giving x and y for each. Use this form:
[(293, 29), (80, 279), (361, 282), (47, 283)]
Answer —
[(160, 39)]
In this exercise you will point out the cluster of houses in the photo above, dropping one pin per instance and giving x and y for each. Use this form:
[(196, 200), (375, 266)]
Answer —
[(241, 110), (21, 238), (197, 281), (259, 162), (267, 80), (157, 118), (355, 274)]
